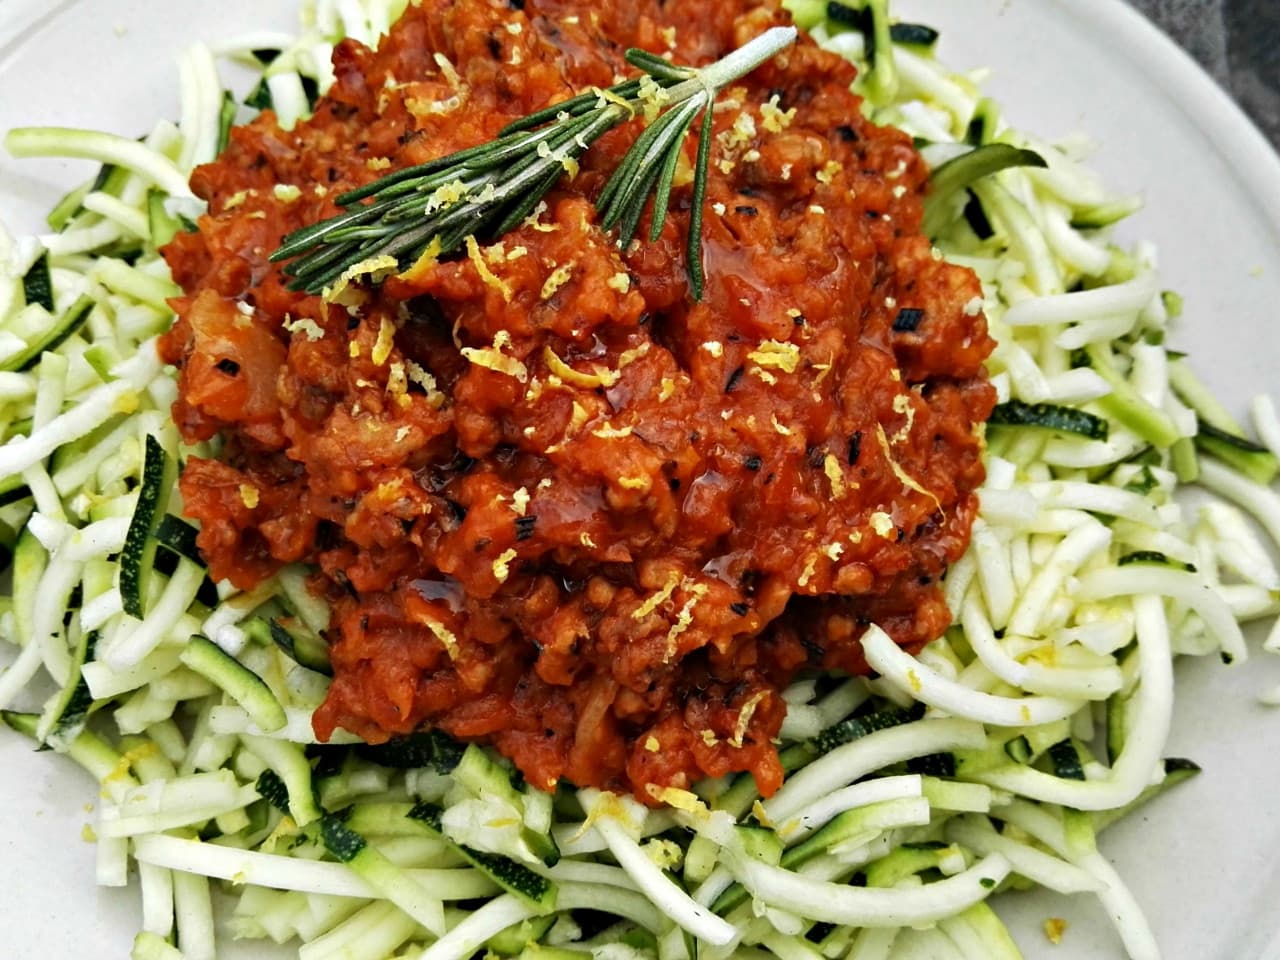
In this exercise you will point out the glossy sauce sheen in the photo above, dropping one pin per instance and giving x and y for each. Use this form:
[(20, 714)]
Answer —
[(609, 572)]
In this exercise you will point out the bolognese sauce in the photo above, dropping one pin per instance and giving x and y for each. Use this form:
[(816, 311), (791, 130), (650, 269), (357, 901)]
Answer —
[(556, 504)]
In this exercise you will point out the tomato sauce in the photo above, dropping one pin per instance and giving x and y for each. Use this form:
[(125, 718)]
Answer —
[(555, 504)]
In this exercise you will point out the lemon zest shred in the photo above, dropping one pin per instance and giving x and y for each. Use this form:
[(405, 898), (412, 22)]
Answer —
[(493, 358), (831, 467), (589, 381), (375, 268), (744, 717), (445, 636), (429, 258), (658, 598), (482, 268), (558, 278), (386, 341), (907, 480), (502, 566)]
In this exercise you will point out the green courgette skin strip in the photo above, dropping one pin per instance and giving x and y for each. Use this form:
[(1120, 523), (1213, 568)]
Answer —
[(960, 172)]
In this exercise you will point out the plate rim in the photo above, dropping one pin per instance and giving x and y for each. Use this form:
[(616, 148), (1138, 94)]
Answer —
[(1197, 95), (1237, 140)]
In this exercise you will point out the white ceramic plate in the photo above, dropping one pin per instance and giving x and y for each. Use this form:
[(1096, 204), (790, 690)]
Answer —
[(1202, 861)]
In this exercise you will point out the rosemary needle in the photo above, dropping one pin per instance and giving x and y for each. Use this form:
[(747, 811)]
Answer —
[(488, 189)]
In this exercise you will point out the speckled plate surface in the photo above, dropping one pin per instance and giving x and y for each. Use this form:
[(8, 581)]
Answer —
[(1202, 861)]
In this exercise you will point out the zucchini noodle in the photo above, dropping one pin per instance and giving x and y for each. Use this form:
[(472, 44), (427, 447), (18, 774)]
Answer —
[(989, 760)]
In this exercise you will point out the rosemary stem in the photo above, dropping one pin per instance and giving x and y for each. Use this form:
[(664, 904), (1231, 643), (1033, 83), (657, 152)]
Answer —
[(716, 76)]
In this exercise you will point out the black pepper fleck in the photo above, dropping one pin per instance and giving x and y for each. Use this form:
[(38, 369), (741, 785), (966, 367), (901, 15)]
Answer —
[(907, 320), (855, 448)]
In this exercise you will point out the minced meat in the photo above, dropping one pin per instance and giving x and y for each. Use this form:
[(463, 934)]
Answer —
[(556, 505)]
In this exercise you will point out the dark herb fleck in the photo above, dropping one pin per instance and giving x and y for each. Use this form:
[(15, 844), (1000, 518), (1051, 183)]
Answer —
[(907, 320), (855, 448)]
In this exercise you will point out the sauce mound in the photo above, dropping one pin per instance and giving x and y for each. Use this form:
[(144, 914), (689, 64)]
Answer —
[(555, 504)]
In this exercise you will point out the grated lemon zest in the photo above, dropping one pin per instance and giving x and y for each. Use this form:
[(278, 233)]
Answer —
[(829, 171), (608, 96), (806, 574), (907, 480), (831, 467), (601, 378), (482, 268), (429, 258), (773, 118), (744, 717), (492, 358), (882, 523), (445, 636), (375, 268), (306, 326), (520, 501), (558, 278), (652, 97), (658, 598), (610, 432), (386, 341), (764, 375), (447, 69), (502, 566), (628, 357)]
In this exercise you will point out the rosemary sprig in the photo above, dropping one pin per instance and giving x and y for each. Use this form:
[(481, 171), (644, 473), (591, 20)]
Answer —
[(489, 189)]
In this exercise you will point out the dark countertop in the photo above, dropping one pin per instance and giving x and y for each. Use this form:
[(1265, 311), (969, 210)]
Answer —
[(1237, 41)]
